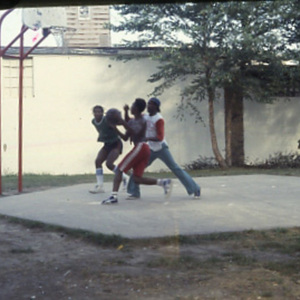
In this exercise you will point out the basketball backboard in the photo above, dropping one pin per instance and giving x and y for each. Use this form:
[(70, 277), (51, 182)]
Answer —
[(44, 17), (53, 19)]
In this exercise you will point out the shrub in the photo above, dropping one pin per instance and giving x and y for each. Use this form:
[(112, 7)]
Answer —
[(277, 160), (280, 160), (202, 163)]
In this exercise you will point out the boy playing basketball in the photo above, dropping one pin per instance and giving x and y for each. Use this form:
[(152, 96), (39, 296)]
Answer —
[(137, 158), (109, 152)]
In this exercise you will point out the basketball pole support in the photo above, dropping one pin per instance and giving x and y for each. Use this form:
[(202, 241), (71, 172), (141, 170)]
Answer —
[(21, 58), (4, 15)]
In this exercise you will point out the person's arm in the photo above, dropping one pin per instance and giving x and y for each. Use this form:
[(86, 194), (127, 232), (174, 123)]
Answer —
[(120, 121), (160, 131), (126, 114), (97, 129), (129, 130), (94, 125), (123, 136)]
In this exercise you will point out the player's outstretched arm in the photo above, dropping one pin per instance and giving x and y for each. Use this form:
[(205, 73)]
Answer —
[(119, 121), (126, 114)]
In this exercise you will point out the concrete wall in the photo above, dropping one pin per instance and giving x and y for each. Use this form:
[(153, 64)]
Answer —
[(271, 128), (59, 138)]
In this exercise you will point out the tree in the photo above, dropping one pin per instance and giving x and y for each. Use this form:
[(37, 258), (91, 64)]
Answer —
[(256, 48), (221, 45)]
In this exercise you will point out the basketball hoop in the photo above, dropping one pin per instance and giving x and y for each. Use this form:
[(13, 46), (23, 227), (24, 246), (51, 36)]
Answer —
[(59, 34), (52, 20)]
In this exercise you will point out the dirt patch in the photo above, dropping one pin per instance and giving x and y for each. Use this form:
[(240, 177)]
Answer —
[(39, 264)]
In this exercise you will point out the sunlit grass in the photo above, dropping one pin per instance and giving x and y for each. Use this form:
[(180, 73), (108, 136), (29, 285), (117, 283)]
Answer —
[(44, 181)]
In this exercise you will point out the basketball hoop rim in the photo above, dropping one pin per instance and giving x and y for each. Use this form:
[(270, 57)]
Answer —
[(61, 29), (59, 32)]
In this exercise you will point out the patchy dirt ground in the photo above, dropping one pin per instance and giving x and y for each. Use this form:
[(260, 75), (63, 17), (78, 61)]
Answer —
[(39, 264)]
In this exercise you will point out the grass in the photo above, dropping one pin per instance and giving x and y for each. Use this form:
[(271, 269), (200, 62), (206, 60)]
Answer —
[(39, 181), (35, 181), (21, 250), (239, 259), (105, 240), (241, 246), (285, 240), (285, 268), (184, 262)]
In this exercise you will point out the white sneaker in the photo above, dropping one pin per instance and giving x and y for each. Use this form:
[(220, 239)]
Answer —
[(110, 200), (97, 189), (167, 186)]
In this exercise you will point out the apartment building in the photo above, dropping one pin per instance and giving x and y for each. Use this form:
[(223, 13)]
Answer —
[(89, 22)]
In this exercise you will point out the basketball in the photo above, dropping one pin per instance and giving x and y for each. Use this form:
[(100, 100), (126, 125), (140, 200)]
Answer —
[(113, 115)]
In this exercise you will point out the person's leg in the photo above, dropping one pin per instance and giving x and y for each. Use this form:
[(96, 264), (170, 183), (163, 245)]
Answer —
[(114, 151), (101, 157), (112, 157), (124, 166), (139, 167), (113, 199), (144, 180), (117, 180), (190, 185), (165, 183), (133, 188)]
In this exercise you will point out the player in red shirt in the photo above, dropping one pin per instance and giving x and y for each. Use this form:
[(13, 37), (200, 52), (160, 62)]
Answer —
[(137, 158)]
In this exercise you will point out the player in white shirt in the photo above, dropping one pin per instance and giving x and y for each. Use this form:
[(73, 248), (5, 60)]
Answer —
[(159, 149)]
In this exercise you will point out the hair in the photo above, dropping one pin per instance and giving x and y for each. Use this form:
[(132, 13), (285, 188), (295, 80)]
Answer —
[(98, 107), (140, 104)]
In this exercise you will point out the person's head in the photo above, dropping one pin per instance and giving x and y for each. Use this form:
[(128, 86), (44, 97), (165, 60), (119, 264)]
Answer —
[(138, 106), (98, 112), (153, 106)]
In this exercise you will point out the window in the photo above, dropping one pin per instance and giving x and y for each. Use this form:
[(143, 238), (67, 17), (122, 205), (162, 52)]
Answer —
[(83, 13), (10, 75)]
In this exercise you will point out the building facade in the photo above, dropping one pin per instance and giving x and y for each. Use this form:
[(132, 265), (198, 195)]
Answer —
[(89, 24)]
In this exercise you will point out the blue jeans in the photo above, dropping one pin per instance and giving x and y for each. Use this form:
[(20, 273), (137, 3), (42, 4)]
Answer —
[(165, 155)]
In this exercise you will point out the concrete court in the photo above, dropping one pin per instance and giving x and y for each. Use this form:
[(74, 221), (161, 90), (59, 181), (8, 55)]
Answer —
[(227, 203)]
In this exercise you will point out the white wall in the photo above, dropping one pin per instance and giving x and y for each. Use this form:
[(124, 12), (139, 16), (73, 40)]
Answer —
[(60, 139), (271, 128)]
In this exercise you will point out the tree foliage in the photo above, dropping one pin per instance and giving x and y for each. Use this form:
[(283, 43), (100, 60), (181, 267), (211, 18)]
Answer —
[(225, 38), (215, 45)]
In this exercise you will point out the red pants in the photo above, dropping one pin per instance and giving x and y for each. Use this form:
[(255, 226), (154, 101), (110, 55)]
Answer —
[(137, 159)]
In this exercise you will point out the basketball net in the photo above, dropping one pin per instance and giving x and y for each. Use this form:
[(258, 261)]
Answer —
[(59, 34)]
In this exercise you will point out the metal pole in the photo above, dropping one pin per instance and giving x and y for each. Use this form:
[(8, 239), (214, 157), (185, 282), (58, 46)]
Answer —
[(1, 21), (47, 32), (21, 65), (14, 40), (21, 73), (21, 57), (0, 114)]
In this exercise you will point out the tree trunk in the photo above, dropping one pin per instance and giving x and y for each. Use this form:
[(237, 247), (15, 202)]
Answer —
[(213, 136), (234, 126), (237, 129), (228, 95)]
